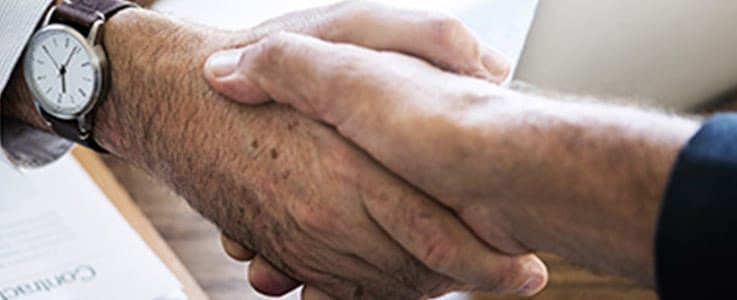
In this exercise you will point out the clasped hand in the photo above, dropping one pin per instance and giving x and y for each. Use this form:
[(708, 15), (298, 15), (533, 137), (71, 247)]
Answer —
[(391, 81)]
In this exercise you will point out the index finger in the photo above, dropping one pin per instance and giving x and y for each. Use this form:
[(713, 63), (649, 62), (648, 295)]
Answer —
[(440, 39), (325, 80)]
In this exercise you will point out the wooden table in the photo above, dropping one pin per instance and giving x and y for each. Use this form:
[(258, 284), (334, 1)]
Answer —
[(196, 242)]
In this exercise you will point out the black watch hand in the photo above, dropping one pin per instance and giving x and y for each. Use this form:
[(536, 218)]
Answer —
[(71, 54), (52, 58), (63, 82), (63, 70)]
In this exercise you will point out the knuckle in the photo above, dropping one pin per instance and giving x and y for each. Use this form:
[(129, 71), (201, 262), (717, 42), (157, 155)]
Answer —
[(271, 49), (439, 254), (456, 46), (446, 30)]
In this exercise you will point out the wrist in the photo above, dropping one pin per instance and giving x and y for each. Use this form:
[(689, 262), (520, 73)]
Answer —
[(148, 93), (113, 126), (18, 103), (596, 178), (160, 111)]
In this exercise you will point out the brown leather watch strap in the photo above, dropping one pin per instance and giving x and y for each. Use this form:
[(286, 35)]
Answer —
[(69, 129), (81, 14)]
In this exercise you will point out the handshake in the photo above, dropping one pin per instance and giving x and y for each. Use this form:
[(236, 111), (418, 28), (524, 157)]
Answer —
[(370, 153)]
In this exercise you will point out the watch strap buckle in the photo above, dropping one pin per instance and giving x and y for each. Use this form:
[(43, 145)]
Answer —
[(76, 130)]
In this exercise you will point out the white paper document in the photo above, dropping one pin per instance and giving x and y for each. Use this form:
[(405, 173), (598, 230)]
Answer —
[(61, 239)]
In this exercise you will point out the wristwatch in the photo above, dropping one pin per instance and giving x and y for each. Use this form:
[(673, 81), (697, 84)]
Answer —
[(66, 68)]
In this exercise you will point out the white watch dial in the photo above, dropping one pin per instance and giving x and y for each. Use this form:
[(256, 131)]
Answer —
[(62, 73)]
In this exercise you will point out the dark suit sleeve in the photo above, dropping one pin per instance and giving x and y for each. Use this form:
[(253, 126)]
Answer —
[(696, 244)]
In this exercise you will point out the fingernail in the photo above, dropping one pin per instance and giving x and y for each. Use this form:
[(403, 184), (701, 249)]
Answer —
[(223, 63), (536, 282), (496, 64), (531, 287)]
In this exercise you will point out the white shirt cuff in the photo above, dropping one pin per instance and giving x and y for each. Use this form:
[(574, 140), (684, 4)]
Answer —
[(20, 145)]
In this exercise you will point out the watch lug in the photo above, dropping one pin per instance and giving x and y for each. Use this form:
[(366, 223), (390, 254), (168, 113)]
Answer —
[(84, 124), (47, 18), (95, 35)]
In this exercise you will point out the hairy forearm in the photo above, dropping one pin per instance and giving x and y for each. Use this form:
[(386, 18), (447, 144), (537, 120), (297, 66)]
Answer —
[(579, 179), (586, 180), (153, 60), (583, 180), (161, 116)]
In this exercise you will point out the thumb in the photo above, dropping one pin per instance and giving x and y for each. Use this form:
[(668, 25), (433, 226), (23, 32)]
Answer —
[(320, 79), (224, 73)]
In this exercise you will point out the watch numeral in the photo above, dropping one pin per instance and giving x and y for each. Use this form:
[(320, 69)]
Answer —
[(48, 91), (87, 64), (86, 79), (55, 42), (81, 92), (40, 62), (42, 77), (66, 44)]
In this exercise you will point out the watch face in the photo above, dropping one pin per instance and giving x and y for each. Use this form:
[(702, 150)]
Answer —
[(62, 71)]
